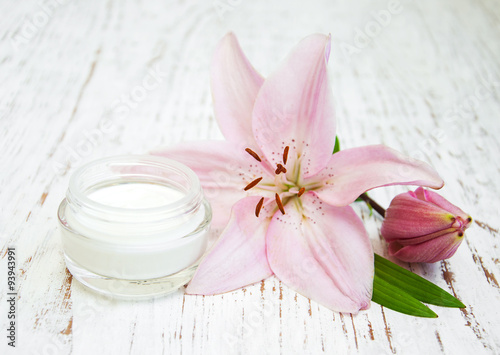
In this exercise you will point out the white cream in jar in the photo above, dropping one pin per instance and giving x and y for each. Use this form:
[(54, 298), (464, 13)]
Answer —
[(134, 226)]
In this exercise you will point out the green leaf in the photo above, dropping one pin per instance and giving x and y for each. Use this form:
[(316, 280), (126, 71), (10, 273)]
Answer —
[(414, 285), (396, 299), (337, 145), (370, 208)]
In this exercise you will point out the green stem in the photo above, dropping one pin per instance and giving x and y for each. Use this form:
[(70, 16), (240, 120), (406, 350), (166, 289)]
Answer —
[(380, 210)]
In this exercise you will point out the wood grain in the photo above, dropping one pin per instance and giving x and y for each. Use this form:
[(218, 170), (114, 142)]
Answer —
[(426, 83)]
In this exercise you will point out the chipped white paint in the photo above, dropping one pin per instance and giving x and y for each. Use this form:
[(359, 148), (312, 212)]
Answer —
[(83, 80)]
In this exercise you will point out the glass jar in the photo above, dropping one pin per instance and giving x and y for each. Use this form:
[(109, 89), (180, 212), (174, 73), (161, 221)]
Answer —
[(134, 226)]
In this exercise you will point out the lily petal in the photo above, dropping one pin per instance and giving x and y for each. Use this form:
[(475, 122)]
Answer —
[(294, 108), (239, 256), (440, 201), (223, 169), (429, 251), (324, 254), (354, 171), (409, 217), (235, 84)]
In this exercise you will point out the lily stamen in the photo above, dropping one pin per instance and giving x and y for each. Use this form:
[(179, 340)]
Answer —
[(285, 154), (301, 191), (253, 154), (259, 207), (280, 169), (252, 184), (279, 203)]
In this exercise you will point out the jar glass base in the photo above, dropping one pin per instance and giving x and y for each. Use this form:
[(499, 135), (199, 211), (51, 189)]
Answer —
[(130, 289)]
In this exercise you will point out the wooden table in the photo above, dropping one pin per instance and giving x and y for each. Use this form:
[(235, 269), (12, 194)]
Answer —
[(424, 79)]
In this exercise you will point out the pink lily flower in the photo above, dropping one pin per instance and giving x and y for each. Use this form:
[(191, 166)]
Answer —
[(423, 226), (289, 195)]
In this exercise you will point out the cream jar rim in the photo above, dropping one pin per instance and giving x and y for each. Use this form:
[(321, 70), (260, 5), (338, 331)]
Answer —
[(192, 198)]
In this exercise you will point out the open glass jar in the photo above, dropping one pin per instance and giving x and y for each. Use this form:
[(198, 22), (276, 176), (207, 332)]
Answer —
[(134, 226)]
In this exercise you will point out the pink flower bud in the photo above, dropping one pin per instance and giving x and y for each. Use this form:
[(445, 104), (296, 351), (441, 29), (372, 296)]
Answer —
[(422, 226)]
